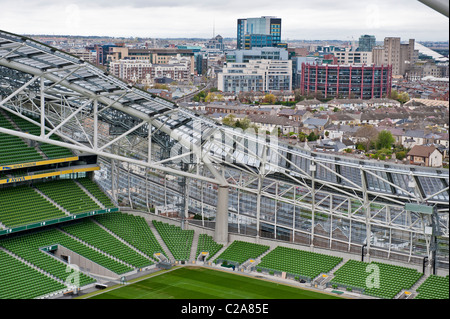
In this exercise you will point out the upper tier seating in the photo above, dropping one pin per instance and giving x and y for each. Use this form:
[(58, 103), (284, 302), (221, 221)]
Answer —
[(22, 205), (69, 195)]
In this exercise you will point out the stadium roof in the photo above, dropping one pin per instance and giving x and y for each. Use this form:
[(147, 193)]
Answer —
[(427, 51)]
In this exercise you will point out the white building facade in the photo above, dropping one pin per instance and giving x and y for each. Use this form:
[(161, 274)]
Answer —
[(256, 76)]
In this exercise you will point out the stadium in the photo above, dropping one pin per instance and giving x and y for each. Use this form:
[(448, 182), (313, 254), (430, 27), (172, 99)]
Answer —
[(104, 186)]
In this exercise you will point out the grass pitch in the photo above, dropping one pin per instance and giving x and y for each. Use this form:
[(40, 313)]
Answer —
[(203, 283)]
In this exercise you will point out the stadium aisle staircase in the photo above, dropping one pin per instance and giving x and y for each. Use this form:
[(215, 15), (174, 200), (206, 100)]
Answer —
[(207, 244), (95, 190), (91, 233), (177, 240), (160, 240)]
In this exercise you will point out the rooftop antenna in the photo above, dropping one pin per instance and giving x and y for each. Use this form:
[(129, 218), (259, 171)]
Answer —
[(214, 27)]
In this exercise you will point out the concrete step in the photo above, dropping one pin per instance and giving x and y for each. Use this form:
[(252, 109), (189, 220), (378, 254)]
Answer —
[(219, 252), (161, 242), (194, 246)]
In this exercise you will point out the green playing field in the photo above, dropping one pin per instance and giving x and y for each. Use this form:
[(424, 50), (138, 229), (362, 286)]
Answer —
[(203, 283)]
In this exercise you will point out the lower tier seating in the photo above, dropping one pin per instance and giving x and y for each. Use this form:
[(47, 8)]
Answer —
[(134, 230), (434, 287), (27, 247), (94, 235), (361, 275), (19, 281), (298, 262), (178, 241), (240, 251), (207, 244)]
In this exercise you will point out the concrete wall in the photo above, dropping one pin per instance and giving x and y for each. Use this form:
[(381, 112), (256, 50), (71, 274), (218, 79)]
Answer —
[(85, 264)]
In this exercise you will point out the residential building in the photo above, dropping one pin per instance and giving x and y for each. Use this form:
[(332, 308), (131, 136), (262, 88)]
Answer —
[(265, 53), (155, 56), (131, 70), (348, 56), (425, 156), (256, 76)]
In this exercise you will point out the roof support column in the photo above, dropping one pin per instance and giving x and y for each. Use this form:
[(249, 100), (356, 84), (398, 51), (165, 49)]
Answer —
[(221, 229), (312, 169), (366, 206), (95, 124), (42, 108)]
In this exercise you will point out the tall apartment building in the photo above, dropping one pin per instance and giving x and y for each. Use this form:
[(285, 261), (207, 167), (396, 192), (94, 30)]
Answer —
[(258, 32), (399, 55), (256, 76), (366, 43)]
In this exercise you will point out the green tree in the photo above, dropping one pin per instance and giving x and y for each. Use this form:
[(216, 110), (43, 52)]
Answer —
[(384, 140), (361, 147), (229, 120), (269, 98), (400, 155), (312, 136), (403, 97)]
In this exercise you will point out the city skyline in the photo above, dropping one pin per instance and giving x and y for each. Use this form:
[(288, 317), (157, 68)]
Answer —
[(321, 20)]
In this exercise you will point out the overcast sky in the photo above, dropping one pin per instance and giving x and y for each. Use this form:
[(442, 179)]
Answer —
[(301, 19)]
